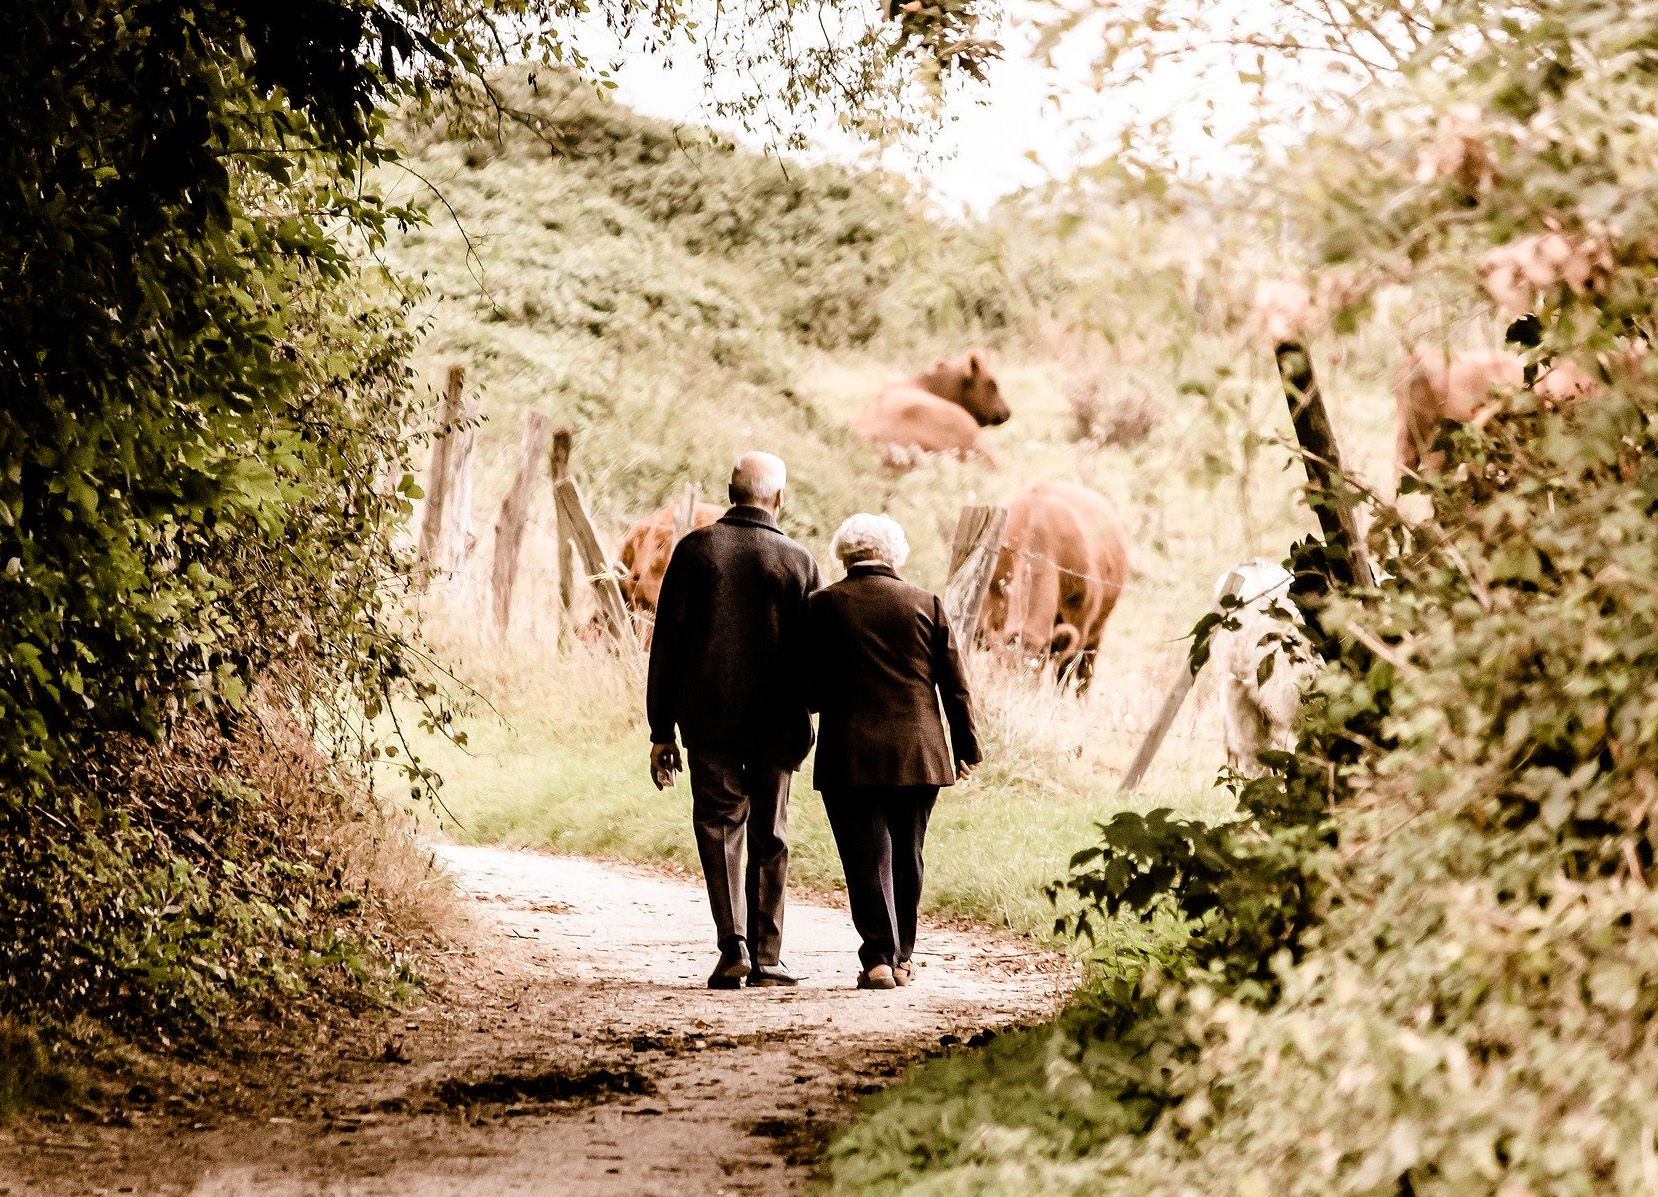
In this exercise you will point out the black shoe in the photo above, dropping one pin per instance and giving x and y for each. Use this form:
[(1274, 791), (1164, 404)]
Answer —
[(769, 975), (730, 971)]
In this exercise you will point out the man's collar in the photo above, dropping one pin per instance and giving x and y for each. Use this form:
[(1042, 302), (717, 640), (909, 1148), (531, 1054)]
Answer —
[(742, 513), (859, 569)]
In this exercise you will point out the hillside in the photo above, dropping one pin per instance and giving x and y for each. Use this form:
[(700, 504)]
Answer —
[(677, 301)]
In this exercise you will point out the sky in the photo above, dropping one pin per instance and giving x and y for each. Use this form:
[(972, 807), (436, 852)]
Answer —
[(1000, 138)]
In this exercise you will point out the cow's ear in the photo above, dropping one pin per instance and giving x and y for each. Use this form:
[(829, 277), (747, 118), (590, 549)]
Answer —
[(941, 366), (975, 364)]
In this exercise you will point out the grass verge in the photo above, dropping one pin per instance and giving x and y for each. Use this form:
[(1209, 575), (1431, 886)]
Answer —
[(564, 768), (29, 1076)]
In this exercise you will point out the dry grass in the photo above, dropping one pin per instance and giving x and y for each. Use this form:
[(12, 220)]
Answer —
[(1102, 417), (366, 845)]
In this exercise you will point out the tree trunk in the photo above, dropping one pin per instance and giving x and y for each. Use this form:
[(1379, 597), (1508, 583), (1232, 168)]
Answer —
[(515, 512), (558, 462)]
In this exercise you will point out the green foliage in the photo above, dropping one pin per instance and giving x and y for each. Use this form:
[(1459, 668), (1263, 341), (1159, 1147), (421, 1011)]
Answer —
[(1425, 958), (29, 1076), (201, 411), (842, 257)]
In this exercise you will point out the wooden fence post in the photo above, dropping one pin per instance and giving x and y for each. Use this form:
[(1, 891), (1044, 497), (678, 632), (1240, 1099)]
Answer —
[(572, 514), (558, 462), (446, 526), (515, 512), (979, 532), (1322, 458), (685, 515), (1178, 689)]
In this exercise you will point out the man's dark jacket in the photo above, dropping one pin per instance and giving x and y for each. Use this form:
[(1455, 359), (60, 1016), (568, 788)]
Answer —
[(726, 648), (881, 658)]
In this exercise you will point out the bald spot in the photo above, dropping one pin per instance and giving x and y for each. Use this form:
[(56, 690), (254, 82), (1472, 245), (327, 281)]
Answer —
[(758, 478)]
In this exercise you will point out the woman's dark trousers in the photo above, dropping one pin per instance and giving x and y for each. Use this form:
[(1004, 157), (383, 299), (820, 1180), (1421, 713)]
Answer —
[(880, 831)]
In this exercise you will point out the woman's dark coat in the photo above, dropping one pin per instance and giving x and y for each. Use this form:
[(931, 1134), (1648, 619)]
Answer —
[(881, 660)]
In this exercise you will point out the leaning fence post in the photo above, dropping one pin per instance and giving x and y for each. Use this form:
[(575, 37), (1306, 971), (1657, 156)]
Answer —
[(572, 514), (515, 512), (685, 515), (558, 463), (446, 525), (1322, 458), (978, 543), (1178, 689)]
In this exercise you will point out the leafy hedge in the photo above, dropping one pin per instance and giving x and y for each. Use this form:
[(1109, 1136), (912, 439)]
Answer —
[(202, 404), (1424, 959)]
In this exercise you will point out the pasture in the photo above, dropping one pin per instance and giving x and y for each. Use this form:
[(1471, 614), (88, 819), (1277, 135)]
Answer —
[(670, 351)]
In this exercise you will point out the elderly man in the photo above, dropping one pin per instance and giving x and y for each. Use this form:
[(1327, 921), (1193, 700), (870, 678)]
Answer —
[(729, 624)]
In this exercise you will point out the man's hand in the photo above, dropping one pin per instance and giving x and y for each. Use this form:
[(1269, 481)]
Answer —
[(964, 770), (665, 763)]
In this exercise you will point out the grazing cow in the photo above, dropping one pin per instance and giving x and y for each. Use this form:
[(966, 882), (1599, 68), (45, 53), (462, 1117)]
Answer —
[(1061, 570), (1259, 714), (644, 559), (938, 411), (1433, 389)]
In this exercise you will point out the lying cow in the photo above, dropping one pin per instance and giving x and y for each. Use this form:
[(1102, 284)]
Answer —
[(938, 411), (644, 559), (1061, 570), (1433, 389), (1259, 714)]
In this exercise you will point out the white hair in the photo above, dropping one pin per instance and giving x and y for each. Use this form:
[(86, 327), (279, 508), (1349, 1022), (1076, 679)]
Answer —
[(758, 477), (863, 537)]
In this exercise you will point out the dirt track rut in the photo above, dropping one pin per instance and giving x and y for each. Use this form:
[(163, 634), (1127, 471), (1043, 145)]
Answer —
[(572, 1051)]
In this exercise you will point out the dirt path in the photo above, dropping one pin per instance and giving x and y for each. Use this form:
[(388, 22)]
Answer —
[(572, 1051)]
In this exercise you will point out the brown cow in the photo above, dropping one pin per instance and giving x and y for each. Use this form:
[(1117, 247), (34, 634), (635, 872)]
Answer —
[(644, 559), (1433, 389), (1061, 570), (938, 411)]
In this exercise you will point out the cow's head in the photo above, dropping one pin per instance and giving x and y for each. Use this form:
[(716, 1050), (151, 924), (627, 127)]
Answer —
[(1018, 631), (1003, 626), (628, 582), (971, 384)]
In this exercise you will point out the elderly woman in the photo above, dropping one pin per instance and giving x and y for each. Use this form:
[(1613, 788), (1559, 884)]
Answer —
[(881, 658)]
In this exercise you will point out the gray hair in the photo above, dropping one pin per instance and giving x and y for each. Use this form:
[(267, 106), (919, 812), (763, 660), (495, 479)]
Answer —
[(871, 537), (758, 477)]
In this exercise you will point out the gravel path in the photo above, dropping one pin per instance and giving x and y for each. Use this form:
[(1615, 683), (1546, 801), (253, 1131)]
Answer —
[(573, 1050)]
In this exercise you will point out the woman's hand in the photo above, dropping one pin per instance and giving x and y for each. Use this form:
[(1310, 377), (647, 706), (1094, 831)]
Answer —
[(964, 770)]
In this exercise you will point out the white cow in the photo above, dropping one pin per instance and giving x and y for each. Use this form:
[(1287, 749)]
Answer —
[(1259, 715)]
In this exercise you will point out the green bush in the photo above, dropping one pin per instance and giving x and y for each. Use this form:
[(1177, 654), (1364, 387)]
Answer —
[(1425, 959), (844, 257), (202, 404)]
